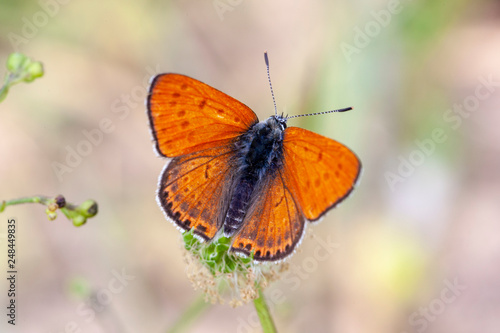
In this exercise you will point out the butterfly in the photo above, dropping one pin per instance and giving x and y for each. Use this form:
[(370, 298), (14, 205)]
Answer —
[(257, 182)]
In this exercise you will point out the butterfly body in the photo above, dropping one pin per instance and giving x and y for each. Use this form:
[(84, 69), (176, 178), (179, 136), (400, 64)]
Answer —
[(260, 154), (257, 182)]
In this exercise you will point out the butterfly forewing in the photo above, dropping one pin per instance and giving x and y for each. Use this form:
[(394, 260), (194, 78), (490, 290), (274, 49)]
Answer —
[(321, 171), (187, 115)]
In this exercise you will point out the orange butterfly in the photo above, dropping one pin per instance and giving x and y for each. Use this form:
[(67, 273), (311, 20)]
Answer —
[(255, 181)]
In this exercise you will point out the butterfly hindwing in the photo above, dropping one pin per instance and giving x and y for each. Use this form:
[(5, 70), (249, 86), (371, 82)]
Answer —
[(274, 224), (187, 115), (322, 171), (194, 188)]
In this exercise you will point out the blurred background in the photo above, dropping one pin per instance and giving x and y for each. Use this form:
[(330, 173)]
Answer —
[(414, 249)]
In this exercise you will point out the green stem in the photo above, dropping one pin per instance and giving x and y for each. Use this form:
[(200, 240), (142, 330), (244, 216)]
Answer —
[(44, 200), (189, 316), (37, 199), (263, 311), (77, 214)]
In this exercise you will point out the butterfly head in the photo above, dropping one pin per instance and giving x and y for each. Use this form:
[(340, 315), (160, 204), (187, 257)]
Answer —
[(277, 122)]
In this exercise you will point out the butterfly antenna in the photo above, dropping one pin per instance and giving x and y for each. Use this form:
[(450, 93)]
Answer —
[(270, 85), (318, 113)]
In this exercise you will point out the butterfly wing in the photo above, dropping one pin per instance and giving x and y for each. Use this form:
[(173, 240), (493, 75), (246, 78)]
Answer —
[(196, 125), (321, 171), (187, 115), (194, 188), (274, 225), (316, 174)]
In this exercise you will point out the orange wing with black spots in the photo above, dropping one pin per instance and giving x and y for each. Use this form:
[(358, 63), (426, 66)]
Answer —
[(187, 115), (321, 171), (192, 189), (274, 224), (196, 125)]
